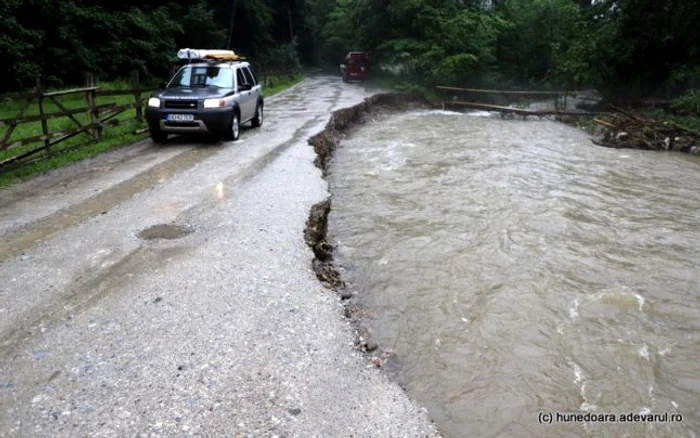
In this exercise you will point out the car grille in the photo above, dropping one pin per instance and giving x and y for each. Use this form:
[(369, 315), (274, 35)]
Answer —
[(180, 104)]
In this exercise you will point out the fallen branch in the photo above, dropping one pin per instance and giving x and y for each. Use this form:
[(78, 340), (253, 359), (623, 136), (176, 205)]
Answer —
[(520, 111), (629, 114), (604, 123)]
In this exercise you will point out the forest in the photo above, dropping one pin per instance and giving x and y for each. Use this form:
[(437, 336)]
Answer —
[(620, 47)]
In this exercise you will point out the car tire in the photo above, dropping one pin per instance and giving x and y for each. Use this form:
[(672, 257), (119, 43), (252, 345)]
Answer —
[(257, 121), (157, 135), (234, 128)]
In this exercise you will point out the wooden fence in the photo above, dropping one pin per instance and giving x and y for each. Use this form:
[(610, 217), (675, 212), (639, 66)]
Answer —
[(99, 117)]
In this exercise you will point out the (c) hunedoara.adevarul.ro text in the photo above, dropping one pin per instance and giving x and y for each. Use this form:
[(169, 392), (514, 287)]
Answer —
[(592, 417)]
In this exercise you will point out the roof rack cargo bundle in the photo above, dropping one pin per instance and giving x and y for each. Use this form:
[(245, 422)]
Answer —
[(208, 55)]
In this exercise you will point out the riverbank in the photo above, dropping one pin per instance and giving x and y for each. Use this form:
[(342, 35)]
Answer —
[(641, 127)]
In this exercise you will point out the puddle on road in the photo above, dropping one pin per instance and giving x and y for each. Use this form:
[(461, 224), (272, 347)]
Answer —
[(25, 238), (165, 231)]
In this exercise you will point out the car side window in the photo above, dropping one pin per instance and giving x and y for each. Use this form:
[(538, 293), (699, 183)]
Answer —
[(240, 77), (252, 75), (249, 77)]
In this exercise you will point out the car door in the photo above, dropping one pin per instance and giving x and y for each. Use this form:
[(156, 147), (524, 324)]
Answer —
[(245, 97), (257, 88)]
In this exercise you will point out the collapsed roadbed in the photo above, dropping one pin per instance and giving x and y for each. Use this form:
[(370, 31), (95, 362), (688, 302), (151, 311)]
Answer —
[(316, 231)]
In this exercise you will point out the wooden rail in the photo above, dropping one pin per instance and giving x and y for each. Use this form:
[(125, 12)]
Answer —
[(519, 111), (517, 92), (46, 116), (98, 116)]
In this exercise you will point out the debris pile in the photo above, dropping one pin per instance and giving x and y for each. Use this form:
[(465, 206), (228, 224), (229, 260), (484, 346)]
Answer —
[(623, 129)]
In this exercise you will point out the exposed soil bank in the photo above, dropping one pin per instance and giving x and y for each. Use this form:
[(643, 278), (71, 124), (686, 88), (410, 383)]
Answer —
[(316, 232)]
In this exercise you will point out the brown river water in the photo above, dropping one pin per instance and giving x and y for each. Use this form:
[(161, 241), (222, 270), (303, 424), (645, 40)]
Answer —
[(517, 270)]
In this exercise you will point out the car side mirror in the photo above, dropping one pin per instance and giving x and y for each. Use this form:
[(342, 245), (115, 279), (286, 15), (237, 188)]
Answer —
[(245, 87), (161, 86)]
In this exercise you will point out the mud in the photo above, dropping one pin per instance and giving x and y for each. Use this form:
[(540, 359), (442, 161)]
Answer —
[(22, 239), (165, 231)]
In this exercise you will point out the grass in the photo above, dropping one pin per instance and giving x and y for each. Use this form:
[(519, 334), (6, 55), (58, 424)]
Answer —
[(112, 138), (396, 82), (68, 151), (280, 83), (691, 122)]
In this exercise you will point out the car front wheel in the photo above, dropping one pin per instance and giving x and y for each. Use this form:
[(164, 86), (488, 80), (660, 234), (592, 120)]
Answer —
[(234, 128), (157, 135)]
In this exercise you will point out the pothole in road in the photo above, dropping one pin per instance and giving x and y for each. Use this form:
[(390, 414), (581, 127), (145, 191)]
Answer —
[(165, 231)]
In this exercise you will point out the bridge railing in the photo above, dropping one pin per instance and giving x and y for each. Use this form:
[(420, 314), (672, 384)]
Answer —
[(559, 97)]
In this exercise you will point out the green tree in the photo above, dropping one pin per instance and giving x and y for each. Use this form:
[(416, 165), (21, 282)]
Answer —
[(18, 46)]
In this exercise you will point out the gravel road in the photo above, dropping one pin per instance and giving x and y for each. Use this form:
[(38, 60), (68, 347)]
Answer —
[(224, 331)]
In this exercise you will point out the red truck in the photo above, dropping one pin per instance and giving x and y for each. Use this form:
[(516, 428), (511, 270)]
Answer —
[(356, 67)]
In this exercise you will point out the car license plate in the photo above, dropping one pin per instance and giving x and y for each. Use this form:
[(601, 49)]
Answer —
[(180, 117)]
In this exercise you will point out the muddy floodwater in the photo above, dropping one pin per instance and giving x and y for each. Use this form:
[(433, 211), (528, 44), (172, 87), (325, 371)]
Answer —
[(517, 270)]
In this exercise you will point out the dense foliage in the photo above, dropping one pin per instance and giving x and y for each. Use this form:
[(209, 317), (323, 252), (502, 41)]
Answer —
[(627, 46), (62, 39)]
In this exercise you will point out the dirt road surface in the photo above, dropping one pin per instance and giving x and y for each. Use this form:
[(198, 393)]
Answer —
[(222, 331)]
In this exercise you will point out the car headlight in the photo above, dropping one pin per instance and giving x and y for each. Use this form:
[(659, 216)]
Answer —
[(214, 103), (154, 102)]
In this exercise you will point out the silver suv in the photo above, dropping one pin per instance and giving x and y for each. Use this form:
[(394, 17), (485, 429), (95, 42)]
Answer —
[(207, 98)]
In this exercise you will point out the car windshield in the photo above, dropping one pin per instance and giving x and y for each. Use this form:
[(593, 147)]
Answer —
[(203, 77)]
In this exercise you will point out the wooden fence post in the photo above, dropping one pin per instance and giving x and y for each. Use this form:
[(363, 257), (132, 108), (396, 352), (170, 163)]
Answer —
[(44, 122), (137, 95), (93, 112)]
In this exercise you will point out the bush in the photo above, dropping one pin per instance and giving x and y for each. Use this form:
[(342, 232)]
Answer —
[(688, 103)]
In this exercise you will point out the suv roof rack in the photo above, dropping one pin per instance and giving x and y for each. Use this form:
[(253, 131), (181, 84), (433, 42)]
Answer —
[(208, 55)]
